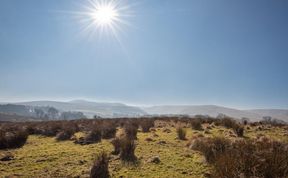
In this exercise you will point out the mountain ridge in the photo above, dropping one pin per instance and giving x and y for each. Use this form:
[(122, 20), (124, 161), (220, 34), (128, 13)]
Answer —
[(89, 108), (114, 109)]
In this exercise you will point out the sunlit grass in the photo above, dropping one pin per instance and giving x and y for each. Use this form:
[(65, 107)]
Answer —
[(45, 157)]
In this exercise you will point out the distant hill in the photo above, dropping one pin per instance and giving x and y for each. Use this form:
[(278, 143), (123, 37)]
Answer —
[(74, 109), (15, 118), (40, 112), (212, 110), (17, 109), (275, 113), (91, 108)]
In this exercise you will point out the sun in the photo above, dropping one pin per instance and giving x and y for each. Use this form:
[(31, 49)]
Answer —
[(105, 15), (104, 18)]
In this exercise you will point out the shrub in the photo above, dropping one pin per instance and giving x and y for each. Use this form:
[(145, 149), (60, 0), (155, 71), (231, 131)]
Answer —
[(131, 131), (45, 131), (237, 160), (49, 129), (211, 147), (127, 149), (254, 159), (100, 167), (245, 121), (64, 135), (70, 125), (117, 146), (196, 124), (108, 131), (181, 133), (245, 158), (30, 129), (228, 122), (239, 130), (276, 159), (146, 124), (12, 139), (93, 136)]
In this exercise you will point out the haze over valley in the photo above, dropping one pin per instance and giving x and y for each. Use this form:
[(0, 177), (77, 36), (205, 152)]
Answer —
[(89, 109)]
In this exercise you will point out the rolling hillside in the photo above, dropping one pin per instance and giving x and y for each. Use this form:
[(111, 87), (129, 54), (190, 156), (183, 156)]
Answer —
[(101, 109), (91, 108), (213, 111)]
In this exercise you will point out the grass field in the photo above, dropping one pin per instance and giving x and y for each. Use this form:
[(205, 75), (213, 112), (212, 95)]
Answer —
[(45, 157)]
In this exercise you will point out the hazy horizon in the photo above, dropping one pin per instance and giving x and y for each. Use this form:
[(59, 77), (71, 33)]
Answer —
[(137, 104), (232, 54)]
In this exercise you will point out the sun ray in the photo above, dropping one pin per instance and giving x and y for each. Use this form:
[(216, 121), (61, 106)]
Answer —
[(103, 17)]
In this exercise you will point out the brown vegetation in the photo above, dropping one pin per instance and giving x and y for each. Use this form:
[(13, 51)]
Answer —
[(12, 139), (196, 124), (100, 167), (127, 149), (181, 133), (244, 158), (146, 124)]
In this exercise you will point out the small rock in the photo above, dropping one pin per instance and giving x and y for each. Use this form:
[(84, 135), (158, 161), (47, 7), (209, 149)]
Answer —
[(259, 128), (166, 130), (7, 157), (154, 159), (188, 155), (207, 131), (199, 135), (81, 162), (40, 160), (184, 172), (73, 138), (208, 127), (149, 139), (155, 135), (162, 142), (207, 174)]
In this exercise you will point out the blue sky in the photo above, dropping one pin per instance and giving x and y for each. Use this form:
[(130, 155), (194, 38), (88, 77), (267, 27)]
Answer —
[(229, 53)]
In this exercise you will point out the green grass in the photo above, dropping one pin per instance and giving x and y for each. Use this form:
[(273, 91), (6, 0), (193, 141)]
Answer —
[(45, 157)]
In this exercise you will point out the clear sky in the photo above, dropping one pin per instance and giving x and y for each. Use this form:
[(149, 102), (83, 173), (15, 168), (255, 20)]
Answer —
[(229, 53)]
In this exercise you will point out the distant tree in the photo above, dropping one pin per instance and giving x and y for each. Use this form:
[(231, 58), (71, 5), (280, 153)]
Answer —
[(46, 117), (267, 119), (245, 120), (72, 115), (39, 112), (53, 113), (272, 121), (221, 116), (97, 117)]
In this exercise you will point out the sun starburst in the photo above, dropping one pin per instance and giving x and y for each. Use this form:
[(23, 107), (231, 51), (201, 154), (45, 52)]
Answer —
[(104, 17)]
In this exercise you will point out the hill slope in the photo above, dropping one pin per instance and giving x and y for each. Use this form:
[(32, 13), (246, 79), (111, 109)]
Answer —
[(213, 111), (91, 108)]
